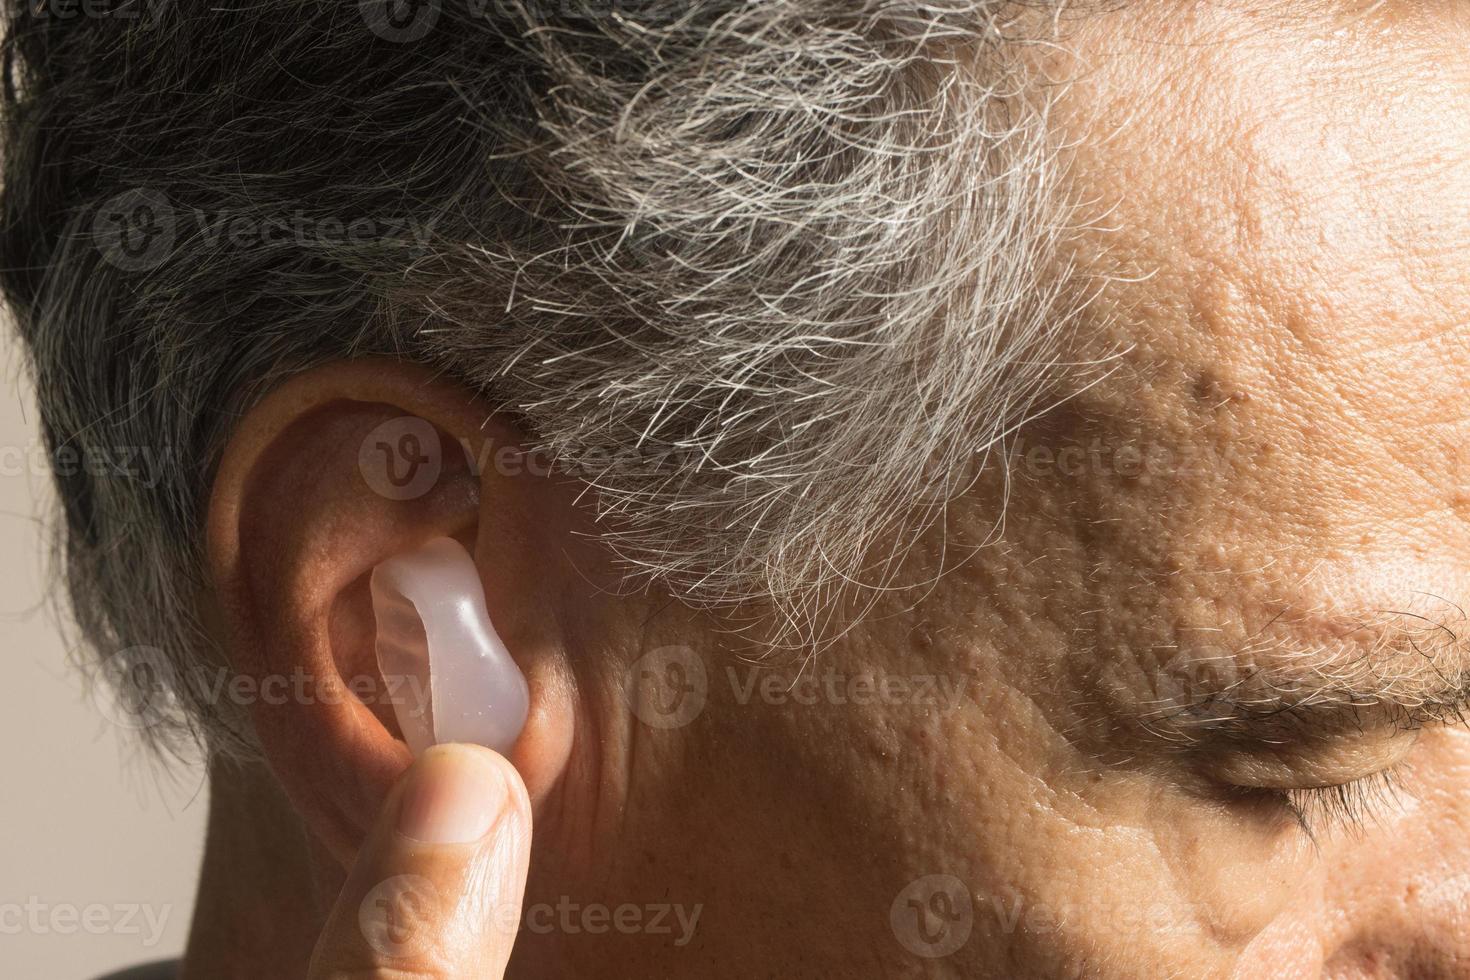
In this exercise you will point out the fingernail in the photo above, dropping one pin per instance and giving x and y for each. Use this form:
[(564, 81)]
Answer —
[(452, 797)]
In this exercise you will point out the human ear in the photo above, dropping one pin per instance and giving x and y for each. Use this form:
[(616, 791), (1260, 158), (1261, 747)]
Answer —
[(339, 471)]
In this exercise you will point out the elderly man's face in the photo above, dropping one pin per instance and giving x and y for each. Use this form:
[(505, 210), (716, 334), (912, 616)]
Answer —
[(1231, 576)]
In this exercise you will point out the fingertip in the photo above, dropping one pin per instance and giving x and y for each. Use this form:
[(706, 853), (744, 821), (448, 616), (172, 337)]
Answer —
[(480, 764), (451, 797)]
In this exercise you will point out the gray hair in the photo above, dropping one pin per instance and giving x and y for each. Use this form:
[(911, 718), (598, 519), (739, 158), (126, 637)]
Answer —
[(772, 276)]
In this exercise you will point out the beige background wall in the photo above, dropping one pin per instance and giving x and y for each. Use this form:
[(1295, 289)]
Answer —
[(99, 847)]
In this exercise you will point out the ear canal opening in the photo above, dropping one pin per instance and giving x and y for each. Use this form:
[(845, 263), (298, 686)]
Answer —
[(449, 674)]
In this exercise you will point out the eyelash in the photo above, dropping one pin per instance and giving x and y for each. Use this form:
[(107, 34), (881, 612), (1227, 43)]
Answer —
[(1348, 806)]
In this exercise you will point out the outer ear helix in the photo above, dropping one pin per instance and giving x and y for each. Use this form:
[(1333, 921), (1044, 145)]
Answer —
[(434, 632)]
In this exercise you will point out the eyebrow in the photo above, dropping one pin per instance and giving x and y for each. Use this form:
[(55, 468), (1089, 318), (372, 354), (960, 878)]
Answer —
[(1413, 672)]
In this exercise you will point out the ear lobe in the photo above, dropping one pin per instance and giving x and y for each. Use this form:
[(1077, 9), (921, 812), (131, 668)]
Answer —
[(339, 470)]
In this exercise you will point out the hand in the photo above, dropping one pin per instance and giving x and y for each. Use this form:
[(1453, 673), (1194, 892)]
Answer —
[(437, 889)]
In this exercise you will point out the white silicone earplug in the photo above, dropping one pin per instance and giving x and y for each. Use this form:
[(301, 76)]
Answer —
[(435, 633)]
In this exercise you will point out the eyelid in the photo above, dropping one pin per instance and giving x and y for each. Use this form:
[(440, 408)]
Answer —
[(1346, 806), (1320, 763), (1324, 784)]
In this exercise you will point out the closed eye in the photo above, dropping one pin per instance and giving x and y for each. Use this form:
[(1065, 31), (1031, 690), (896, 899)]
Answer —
[(1349, 806)]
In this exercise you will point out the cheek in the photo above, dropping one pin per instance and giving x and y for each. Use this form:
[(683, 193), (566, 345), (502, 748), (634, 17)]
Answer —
[(1288, 949)]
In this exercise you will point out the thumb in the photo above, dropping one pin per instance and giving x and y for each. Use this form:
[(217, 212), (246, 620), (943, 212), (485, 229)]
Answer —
[(436, 892)]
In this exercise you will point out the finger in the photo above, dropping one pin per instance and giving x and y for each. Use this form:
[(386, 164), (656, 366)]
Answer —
[(436, 892)]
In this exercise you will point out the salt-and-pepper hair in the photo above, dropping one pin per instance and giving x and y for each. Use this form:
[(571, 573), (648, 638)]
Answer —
[(767, 275)]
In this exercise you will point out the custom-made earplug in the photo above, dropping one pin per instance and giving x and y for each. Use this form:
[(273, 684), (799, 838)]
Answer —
[(434, 631)]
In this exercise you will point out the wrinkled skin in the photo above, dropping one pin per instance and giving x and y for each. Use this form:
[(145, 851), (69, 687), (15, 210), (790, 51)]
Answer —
[(1255, 488), (1278, 200)]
